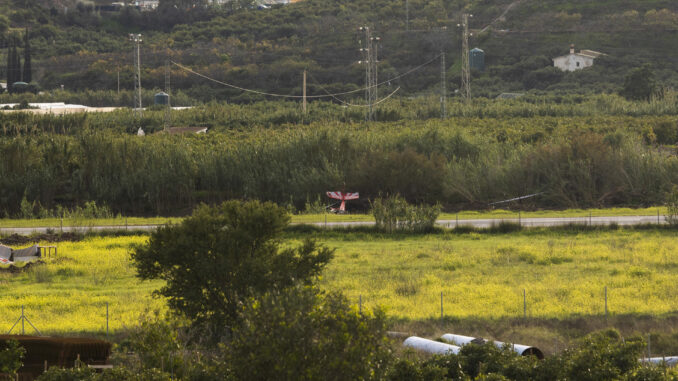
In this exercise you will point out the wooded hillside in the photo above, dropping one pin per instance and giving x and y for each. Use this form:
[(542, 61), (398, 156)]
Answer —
[(83, 47)]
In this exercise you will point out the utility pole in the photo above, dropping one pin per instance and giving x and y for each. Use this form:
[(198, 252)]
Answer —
[(168, 90), (407, 14), (136, 38), (465, 64), (370, 59), (443, 87), (304, 86)]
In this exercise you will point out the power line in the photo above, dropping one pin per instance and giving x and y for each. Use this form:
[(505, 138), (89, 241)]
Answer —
[(351, 104), (301, 96)]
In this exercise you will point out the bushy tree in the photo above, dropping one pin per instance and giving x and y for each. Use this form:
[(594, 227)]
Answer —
[(11, 357), (220, 256), (639, 84), (302, 334)]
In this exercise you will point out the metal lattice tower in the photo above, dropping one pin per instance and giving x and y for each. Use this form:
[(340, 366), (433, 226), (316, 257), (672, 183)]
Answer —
[(465, 64), (370, 59), (136, 38), (168, 90), (443, 88)]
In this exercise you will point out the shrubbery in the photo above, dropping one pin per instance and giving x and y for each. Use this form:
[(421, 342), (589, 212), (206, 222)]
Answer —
[(395, 213), (599, 356), (466, 163)]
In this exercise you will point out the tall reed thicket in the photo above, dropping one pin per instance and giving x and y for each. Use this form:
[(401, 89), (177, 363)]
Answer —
[(271, 151)]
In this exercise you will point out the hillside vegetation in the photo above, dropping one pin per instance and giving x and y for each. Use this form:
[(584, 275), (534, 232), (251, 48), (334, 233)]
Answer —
[(83, 48)]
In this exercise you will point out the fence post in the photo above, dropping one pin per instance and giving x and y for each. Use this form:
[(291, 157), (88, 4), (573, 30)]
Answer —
[(590, 219), (23, 331), (658, 217), (441, 305), (456, 221), (520, 223), (524, 304)]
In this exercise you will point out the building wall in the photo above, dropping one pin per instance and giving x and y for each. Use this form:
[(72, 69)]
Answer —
[(572, 62)]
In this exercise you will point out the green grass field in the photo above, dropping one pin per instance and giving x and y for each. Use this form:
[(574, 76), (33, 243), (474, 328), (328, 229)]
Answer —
[(56, 223), (481, 276)]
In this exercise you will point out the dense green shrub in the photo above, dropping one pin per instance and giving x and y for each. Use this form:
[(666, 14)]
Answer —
[(599, 356), (115, 374), (395, 213), (301, 334)]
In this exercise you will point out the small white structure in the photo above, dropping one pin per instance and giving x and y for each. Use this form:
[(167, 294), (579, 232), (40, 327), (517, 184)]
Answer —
[(146, 4), (576, 61)]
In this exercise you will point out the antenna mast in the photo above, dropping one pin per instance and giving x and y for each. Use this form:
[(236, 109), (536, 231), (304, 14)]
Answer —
[(168, 90), (371, 79), (465, 64), (443, 87), (136, 38)]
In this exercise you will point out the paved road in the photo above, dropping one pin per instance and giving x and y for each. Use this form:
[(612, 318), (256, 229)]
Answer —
[(477, 223)]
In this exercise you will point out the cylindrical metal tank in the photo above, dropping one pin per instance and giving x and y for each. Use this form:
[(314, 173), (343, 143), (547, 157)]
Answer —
[(430, 346), (476, 59), (161, 98)]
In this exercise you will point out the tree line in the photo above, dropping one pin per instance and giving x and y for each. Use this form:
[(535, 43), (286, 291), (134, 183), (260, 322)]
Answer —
[(571, 162)]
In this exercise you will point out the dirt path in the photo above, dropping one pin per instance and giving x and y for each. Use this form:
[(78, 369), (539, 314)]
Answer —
[(502, 16)]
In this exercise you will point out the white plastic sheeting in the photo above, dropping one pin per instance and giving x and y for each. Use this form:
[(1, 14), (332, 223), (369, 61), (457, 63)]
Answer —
[(430, 346)]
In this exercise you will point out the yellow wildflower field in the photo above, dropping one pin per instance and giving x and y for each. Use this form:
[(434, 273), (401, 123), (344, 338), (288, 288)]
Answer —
[(69, 293), (480, 275)]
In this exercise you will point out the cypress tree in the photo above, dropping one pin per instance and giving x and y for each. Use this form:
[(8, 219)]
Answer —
[(17, 63), (28, 75), (8, 70), (11, 65)]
